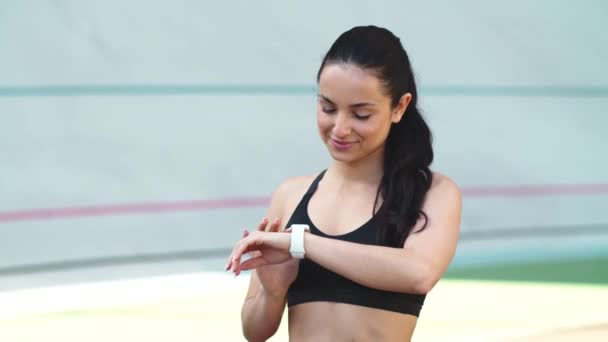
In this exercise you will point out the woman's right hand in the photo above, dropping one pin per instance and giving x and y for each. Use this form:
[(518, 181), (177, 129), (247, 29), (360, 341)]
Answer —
[(275, 279)]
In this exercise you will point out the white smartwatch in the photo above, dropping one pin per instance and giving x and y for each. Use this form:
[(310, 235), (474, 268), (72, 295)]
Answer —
[(296, 247)]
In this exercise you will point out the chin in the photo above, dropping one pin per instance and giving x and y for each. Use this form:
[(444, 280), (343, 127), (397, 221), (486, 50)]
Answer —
[(341, 158), (344, 157)]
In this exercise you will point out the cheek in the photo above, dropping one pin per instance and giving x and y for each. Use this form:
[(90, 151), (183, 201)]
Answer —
[(323, 122), (375, 131)]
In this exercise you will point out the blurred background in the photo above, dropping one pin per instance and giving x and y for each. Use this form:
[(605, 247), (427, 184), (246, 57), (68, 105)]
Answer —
[(138, 139)]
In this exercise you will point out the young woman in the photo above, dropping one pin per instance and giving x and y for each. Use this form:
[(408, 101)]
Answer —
[(354, 249)]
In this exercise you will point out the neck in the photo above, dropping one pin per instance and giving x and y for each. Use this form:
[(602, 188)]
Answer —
[(368, 170)]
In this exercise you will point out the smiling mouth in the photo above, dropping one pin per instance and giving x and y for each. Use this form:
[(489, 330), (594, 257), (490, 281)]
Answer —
[(341, 145)]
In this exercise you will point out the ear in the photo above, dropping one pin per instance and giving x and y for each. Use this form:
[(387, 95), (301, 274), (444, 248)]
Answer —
[(399, 110)]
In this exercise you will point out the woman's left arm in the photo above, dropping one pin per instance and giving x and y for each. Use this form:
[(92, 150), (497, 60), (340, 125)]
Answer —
[(414, 268)]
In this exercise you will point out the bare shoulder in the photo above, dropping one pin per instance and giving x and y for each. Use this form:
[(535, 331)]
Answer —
[(444, 189), (288, 194), (443, 207), (293, 187)]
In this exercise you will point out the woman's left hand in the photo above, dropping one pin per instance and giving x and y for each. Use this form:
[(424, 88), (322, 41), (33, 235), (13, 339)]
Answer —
[(270, 247)]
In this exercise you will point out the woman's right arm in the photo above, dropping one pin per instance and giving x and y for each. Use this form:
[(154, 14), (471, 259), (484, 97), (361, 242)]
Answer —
[(261, 313), (262, 310)]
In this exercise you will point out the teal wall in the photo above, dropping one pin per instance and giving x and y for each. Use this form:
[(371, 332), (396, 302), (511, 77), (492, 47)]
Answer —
[(128, 102)]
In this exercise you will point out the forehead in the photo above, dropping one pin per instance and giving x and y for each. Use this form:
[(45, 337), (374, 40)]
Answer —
[(345, 83)]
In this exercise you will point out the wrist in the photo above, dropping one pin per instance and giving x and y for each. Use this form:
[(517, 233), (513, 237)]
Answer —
[(297, 247), (307, 237)]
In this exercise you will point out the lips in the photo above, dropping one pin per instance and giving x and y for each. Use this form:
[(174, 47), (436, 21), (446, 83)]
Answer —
[(341, 144)]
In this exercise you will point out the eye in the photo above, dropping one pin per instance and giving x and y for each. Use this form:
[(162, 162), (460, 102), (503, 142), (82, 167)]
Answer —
[(361, 116), (328, 110)]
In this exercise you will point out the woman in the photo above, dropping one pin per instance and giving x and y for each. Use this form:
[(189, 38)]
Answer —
[(366, 239)]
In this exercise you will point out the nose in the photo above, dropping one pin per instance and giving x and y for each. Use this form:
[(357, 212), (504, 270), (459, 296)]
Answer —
[(341, 127)]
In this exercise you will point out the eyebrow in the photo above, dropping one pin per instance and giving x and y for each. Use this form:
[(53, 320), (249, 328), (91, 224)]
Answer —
[(354, 105)]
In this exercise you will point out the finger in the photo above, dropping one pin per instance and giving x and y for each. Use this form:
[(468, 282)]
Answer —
[(235, 258), (253, 263), (229, 263), (276, 225), (254, 254), (251, 254), (236, 255), (245, 247), (236, 261), (263, 224)]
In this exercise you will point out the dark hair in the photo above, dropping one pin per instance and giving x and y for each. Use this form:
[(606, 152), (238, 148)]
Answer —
[(408, 150)]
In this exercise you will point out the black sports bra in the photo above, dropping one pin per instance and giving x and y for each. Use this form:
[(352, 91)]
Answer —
[(316, 283)]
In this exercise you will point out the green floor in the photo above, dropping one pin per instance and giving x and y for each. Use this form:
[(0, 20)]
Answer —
[(588, 271)]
